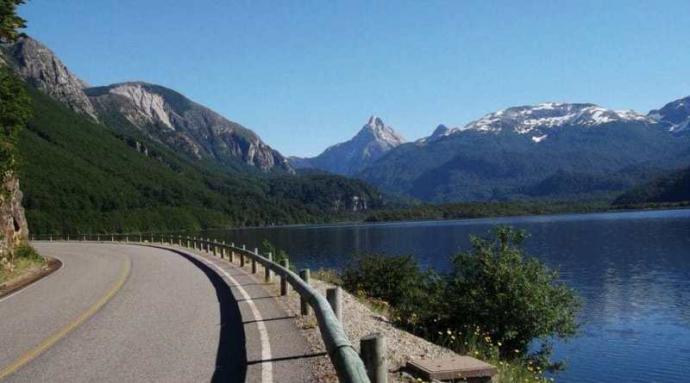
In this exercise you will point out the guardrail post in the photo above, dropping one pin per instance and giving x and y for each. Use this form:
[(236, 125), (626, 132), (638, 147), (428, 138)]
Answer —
[(283, 277), (51, 238), (373, 352), (215, 248), (335, 298), (242, 258), (223, 250), (303, 304), (208, 245), (68, 237), (267, 270), (256, 251), (189, 243)]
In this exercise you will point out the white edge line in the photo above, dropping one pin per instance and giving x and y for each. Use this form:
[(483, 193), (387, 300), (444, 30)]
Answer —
[(266, 365)]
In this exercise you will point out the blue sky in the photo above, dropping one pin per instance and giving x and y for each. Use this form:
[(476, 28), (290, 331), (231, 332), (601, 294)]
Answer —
[(307, 74)]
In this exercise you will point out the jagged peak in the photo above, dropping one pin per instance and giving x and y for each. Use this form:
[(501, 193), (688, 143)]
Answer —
[(377, 130)]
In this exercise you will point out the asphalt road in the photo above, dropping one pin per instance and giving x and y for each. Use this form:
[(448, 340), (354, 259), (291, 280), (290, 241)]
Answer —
[(128, 313)]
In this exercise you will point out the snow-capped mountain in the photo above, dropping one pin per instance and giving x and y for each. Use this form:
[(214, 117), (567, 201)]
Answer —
[(538, 120), (537, 150), (347, 158), (438, 133), (675, 114)]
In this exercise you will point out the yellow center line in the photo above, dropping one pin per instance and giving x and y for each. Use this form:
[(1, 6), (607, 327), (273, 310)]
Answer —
[(50, 341)]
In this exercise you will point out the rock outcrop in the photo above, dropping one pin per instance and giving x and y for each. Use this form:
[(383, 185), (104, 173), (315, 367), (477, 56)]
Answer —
[(13, 226), (174, 120), (41, 68)]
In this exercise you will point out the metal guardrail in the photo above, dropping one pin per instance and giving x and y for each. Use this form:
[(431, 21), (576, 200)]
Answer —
[(348, 364)]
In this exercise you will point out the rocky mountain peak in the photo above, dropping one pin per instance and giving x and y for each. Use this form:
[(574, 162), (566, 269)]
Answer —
[(375, 129), (41, 68), (675, 113)]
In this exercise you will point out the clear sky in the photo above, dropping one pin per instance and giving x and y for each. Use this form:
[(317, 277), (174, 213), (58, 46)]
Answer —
[(307, 74)]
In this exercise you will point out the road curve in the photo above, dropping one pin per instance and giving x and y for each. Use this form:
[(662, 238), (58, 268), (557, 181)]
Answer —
[(117, 313)]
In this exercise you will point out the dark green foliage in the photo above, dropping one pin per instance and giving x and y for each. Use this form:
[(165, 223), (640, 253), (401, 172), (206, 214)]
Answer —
[(15, 111), (24, 251), (278, 254), (517, 299), (494, 290), (670, 188), (10, 22), (325, 192), (397, 280), (486, 209)]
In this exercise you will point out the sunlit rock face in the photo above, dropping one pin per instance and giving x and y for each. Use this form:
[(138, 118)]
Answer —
[(13, 226), (172, 119), (41, 68)]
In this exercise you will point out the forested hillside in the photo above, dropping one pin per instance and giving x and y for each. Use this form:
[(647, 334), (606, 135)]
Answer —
[(672, 188), (80, 176)]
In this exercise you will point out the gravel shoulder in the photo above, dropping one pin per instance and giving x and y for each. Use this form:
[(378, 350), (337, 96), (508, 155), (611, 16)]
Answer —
[(359, 320)]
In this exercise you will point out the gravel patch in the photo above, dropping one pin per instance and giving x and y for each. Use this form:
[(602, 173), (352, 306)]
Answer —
[(359, 321)]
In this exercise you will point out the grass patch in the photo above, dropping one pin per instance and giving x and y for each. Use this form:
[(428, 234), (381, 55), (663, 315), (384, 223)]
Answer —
[(26, 259)]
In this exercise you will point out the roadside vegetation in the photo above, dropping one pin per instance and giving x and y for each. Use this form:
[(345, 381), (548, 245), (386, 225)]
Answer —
[(25, 259), (496, 303)]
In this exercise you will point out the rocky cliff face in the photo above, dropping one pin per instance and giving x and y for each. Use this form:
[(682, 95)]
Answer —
[(39, 66), (13, 226), (161, 113), (176, 121)]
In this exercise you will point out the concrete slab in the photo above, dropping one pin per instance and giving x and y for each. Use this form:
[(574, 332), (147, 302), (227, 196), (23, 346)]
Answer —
[(448, 369)]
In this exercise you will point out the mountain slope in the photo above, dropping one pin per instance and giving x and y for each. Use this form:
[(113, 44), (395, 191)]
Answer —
[(161, 113), (675, 114), (79, 176), (674, 187), (170, 118), (508, 154), (350, 157)]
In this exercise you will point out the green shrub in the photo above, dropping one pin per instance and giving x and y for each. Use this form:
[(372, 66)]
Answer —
[(515, 298), (25, 251), (493, 303), (397, 280)]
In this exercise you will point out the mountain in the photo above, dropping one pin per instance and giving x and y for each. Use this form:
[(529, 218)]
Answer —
[(183, 125), (117, 170), (670, 188), (160, 113), (675, 114), (538, 151), (41, 68), (347, 158)]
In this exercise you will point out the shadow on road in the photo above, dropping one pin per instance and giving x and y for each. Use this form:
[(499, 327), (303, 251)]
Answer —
[(231, 359)]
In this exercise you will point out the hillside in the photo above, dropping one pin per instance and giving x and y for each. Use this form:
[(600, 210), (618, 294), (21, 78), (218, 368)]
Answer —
[(671, 188), (79, 176)]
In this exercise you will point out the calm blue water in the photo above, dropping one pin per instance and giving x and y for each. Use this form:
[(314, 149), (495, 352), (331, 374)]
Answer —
[(632, 270)]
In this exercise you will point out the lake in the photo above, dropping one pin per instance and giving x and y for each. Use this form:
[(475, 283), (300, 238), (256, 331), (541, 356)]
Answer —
[(632, 270)]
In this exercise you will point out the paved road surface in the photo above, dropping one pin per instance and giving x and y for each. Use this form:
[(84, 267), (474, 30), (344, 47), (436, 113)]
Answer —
[(128, 313)]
